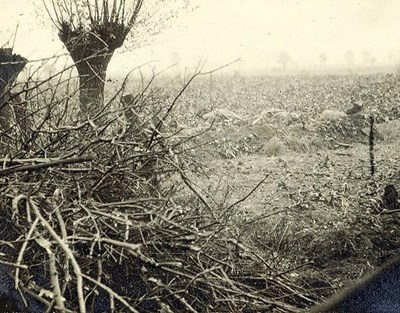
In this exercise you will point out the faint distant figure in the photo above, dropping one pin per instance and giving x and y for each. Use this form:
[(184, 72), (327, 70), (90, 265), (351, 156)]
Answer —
[(322, 60), (349, 58), (390, 199), (357, 107), (284, 59)]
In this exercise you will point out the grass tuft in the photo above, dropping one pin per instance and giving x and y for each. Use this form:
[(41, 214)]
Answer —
[(274, 147)]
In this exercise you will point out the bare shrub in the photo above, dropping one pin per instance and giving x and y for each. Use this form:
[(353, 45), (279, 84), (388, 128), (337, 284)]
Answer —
[(89, 230)]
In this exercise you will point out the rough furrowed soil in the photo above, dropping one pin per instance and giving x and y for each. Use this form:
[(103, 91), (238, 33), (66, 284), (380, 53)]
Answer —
[(329, 181), (318, 214), (319, 210)]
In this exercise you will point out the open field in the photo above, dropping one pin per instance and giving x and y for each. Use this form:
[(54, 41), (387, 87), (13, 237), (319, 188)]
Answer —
[(254, 194), (317, 210)]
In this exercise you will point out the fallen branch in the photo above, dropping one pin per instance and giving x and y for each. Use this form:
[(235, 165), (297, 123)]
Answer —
[(35, 167)]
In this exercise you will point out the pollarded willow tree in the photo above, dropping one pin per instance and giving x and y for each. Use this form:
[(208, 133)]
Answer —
[(10, 66), (91, 31)]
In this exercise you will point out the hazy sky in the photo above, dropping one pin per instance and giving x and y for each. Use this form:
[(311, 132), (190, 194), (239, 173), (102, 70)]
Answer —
[(259, 32)]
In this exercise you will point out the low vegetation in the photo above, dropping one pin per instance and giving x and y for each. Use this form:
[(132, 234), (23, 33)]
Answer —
[(234, 196)]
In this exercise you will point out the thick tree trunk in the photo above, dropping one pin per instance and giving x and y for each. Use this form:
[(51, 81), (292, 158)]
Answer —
[(91, 52), (92, 76), (10, 66)]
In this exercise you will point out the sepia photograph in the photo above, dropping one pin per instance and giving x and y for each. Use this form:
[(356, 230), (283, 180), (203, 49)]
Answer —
[(199, 156)]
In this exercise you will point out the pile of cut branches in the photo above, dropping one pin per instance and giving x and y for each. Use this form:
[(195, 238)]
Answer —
[(92, 223)]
